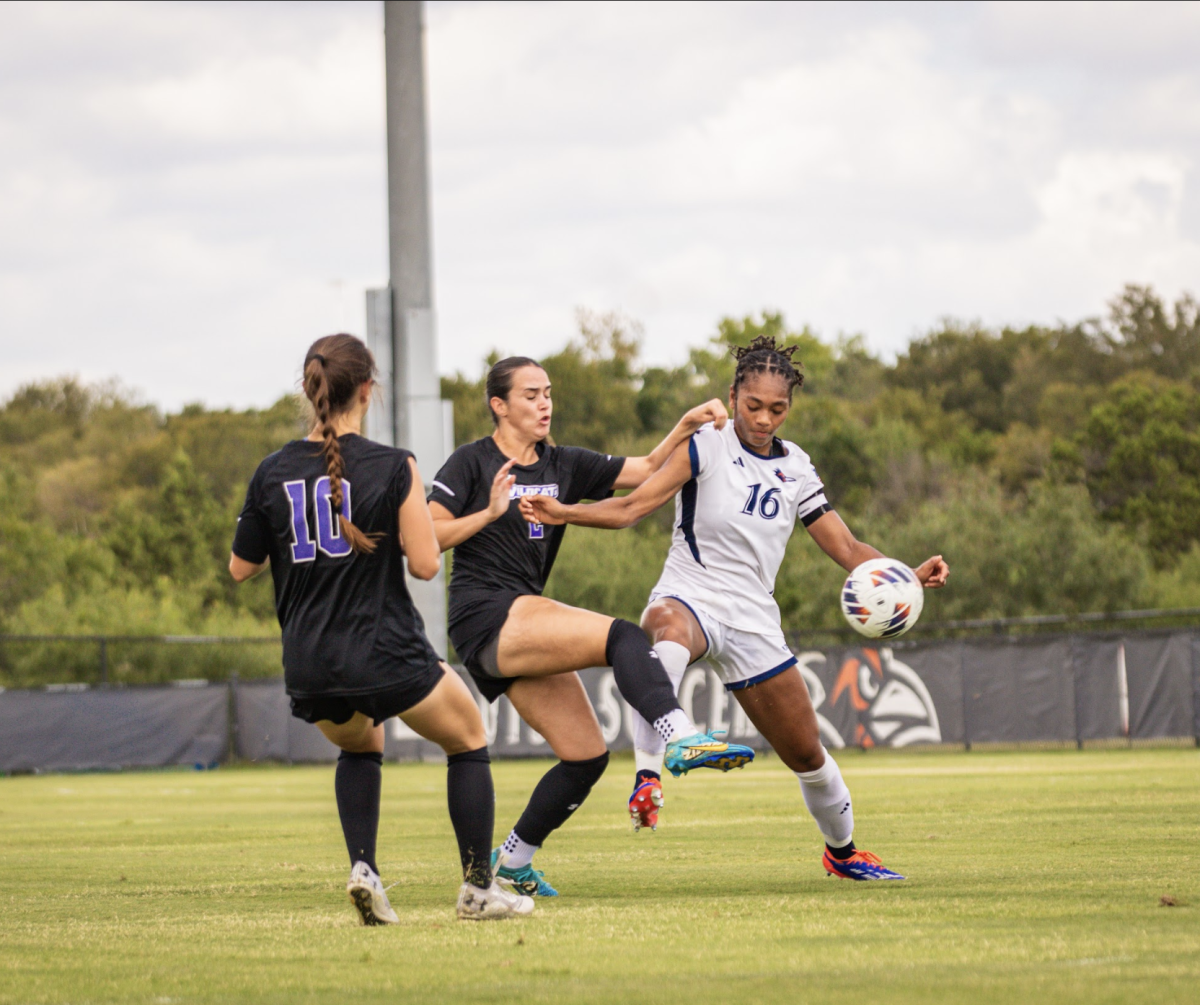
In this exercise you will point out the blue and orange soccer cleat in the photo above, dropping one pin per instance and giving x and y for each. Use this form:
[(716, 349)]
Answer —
[(703, 750), (860, 865), (644, 804)]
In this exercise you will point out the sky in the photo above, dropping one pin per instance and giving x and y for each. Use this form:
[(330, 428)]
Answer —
[(190, 193)]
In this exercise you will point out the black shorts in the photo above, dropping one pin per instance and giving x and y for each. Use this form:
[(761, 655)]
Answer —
[(472, 633), (379, 705)]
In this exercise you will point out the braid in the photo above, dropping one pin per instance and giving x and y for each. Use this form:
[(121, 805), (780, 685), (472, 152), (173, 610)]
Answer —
[(316, 388), (764, 356)]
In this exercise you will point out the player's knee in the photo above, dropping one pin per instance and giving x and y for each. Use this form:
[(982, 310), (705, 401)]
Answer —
[(809, 757), (587, 773), (662, 623)]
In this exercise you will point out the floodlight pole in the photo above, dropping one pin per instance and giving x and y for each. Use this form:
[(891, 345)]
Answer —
[(400, 319)]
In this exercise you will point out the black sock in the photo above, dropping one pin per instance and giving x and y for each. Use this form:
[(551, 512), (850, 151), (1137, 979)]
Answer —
[(559, 794), (841, 854), (646, 775), (638, 672), (356, 783), (472, 799)]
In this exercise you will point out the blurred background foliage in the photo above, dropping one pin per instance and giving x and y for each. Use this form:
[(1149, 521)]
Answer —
[(1057, 469)]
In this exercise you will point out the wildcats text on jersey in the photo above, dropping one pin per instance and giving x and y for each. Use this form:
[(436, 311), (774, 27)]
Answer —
[(537, 531)]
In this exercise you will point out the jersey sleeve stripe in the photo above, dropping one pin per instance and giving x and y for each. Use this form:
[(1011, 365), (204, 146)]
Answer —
[(810, 518), (801, 503), (687, 520), (443, 486), (694, 456)]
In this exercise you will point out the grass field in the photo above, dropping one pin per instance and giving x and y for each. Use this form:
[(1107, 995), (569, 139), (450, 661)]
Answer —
[(1035, 877)]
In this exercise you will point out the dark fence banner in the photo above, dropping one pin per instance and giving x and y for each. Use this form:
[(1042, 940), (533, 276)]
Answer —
[(1010, 690), (106, 728)]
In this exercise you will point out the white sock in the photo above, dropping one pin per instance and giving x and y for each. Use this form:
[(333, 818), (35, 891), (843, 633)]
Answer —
[(674, 725), (517, 853), (828, 800), (648, 745)]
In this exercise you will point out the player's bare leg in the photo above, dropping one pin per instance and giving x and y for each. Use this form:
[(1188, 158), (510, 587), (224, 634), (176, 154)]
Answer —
[(783, 713), (542, 637)]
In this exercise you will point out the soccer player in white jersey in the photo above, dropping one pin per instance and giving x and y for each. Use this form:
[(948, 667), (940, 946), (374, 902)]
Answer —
[(738, 493)]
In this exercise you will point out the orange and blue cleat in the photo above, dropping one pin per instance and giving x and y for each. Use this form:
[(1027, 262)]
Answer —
[(860, 865), (644, 804)]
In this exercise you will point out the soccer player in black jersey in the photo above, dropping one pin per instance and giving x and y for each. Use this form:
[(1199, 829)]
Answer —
[(335, 516), (515, 641)]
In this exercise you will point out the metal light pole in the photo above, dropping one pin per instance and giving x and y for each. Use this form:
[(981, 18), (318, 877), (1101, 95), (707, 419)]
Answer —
[(400, 320)]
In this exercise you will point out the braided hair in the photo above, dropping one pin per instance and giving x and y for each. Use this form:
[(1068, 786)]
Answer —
[(764, 356), (334, 368)]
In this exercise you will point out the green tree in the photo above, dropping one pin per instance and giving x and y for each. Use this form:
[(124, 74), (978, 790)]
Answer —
[(1141, 450)]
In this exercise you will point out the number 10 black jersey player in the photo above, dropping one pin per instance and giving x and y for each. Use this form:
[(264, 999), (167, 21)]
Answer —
[(328, 514)]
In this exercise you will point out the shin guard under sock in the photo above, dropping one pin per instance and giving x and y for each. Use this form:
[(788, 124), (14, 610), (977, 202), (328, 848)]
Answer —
[(472, 799), (559, 794), (356, 784), (638, 672), (828, 800)]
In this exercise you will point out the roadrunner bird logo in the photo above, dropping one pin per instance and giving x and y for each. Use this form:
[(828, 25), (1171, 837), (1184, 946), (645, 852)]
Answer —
[(875, 700)]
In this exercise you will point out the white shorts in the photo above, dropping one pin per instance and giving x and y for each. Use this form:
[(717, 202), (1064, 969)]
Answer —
[(740, 658)]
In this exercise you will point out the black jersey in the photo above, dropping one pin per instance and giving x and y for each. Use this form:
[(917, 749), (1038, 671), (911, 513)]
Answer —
[(349, 625), (510, 554)]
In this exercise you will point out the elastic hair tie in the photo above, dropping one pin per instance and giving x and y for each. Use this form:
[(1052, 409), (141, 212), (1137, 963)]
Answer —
[(319, 358)]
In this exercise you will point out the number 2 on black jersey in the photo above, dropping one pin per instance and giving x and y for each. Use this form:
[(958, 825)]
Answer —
[(329, 530)]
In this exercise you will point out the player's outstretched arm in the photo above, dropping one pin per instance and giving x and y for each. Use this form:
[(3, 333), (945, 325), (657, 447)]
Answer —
[(452, 530), (418, 539), (839, 543), (622, 511), (637, 469)]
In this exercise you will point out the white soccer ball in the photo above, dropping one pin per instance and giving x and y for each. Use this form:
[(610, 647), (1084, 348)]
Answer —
[(882, 598)]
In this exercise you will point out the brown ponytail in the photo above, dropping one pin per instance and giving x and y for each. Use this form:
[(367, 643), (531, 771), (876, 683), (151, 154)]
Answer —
[(334, 368)]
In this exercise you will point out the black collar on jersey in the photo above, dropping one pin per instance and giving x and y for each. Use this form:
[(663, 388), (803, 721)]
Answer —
[(539, 447), (777, 449)]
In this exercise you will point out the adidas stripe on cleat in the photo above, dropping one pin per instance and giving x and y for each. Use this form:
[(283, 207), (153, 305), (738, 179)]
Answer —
[(861, 865), (703, 750), (644, 804)]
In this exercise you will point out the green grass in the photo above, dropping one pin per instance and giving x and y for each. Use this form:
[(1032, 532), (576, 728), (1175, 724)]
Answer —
[(1035, 877)]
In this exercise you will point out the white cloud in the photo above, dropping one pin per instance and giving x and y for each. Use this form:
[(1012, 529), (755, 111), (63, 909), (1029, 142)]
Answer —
[(190, 192)]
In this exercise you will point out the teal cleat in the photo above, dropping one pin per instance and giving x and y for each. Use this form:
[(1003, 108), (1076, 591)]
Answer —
[(703, 750), (527, 880)]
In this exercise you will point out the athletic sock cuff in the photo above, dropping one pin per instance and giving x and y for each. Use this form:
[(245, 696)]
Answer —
[(481, 755), (822, 776), (367, 755), (601, 762)]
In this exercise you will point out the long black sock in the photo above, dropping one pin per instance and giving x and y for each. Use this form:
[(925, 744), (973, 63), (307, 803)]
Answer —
[(559, 794), (472, 799), (356, 783), (638, 672)]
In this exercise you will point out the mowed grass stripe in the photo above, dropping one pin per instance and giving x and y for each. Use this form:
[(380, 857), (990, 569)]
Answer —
[(1034, 876)]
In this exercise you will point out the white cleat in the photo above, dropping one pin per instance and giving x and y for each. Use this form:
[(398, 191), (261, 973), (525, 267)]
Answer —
[(368, 896), (492, 904)]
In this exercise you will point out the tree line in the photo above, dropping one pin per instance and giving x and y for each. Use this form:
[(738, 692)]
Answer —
[(1056, 467)]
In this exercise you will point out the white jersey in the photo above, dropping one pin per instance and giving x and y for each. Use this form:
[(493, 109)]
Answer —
[(732, 525)]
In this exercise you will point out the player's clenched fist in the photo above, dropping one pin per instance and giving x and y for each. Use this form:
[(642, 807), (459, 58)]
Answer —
[(711, 411)]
